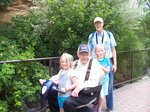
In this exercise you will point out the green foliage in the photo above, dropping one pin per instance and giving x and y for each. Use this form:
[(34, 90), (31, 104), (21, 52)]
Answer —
[(19, 41), (4, 4), (20, 80), (3, 106), (130, 39), (144, 30), (72, 22), (127, 19), (7, 74), (57, 27), (24, 34)]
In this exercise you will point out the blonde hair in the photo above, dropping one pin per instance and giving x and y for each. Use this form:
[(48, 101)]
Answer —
[(100, 46), (68, 58)]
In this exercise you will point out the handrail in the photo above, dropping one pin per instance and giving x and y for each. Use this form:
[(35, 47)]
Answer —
[(27, 60), (130, 64)]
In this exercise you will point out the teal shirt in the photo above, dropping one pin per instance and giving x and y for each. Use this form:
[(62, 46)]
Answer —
[(106, 63)]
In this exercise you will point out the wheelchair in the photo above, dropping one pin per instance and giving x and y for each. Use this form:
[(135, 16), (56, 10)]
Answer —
[(49, 86)]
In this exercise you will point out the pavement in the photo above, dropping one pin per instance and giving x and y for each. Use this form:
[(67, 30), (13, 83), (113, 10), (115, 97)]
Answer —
[(133, 97)]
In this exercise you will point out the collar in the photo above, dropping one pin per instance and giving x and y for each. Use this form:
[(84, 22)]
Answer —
[(101, 34)]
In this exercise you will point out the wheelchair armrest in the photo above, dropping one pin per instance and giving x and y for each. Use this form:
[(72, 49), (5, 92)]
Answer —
[(91, 89)]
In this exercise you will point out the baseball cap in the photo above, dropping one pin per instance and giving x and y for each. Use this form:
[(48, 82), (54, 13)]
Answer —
[(83, 48), (98, 19)]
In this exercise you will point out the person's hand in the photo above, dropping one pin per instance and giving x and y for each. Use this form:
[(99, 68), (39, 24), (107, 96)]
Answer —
[(75, 92), (114, 67), (102, 67), (42, 81), (64, 90), (55, 81)]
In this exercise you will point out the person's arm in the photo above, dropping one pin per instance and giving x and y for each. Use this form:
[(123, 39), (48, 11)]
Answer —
[(53, 79), (75, 92), (95, 78), (113, 50), (74, 80), (105, 69), (42, 81), (74, 84), (89, 42), (114, 56)]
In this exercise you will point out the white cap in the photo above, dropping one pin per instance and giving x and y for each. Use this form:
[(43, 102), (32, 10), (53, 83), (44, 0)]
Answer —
[(98, 19)]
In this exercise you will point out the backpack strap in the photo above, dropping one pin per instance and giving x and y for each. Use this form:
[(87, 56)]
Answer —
[(88, 70), (92, 35), (75, 65), (109, 38), (90, 40), (108, 34)]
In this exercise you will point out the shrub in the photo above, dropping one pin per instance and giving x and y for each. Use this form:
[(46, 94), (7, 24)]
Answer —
[(4, 4), (3, 106)]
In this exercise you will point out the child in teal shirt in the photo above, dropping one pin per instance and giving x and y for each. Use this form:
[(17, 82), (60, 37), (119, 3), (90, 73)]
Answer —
[(100, 53)]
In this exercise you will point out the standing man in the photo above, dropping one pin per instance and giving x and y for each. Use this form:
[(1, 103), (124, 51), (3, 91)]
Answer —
[(95, 76), (100, 36)]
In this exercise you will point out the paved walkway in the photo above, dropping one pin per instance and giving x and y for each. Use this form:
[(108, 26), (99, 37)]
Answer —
[(133, 97)]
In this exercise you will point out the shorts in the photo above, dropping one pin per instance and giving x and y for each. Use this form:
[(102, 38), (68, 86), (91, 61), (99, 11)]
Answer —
[(61, 100)]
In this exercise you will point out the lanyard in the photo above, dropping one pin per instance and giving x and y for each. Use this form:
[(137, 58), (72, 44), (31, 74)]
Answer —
[(97, 38)]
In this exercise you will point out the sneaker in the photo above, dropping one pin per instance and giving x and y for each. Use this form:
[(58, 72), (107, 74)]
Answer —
[(109, 110)]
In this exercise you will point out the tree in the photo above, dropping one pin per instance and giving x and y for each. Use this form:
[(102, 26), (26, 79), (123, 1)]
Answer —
[(72, 22), (128, 17)]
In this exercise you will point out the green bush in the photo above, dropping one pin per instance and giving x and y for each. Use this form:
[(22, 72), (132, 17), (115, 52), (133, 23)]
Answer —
[(3, 106), (4, 3), (58, 27), (20, 79)]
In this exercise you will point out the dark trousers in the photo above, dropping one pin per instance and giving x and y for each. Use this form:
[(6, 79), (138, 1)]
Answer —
[(109, 97), (71, 104), (52, 101), (85, 109)]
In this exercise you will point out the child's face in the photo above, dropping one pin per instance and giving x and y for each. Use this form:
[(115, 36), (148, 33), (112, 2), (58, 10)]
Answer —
[(100, 52), (64, 64)]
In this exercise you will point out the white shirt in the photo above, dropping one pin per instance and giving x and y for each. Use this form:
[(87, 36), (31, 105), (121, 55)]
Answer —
[(108, 41), (95, 77)]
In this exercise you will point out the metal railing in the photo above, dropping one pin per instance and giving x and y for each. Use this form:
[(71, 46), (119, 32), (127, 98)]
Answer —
[(131, 65), (51, 62)]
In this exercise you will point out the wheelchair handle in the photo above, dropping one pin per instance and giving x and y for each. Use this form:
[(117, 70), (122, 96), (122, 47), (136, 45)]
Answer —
[(58, 90)]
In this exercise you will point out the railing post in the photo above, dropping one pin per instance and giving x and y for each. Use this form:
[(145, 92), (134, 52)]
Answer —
[(132, 64), (50, 67)]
